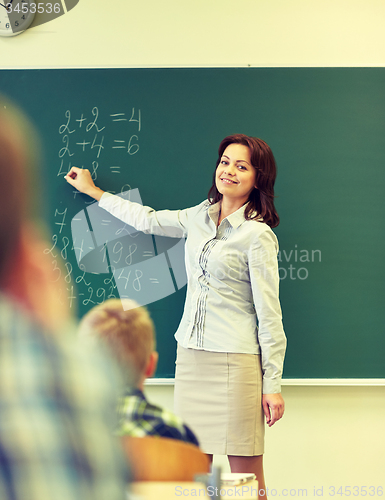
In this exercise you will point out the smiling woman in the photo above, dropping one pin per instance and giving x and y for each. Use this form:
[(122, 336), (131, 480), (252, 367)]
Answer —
[(231, 342), (248, 156), (235, 178)]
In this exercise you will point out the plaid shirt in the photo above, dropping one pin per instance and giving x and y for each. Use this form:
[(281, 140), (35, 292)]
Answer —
[(138, 418), (55, 418)]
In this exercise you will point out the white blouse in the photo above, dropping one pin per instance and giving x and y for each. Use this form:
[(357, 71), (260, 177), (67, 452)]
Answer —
[(232, 301)]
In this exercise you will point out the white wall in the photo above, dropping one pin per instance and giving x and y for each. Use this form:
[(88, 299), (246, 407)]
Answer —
[(205, 33), (330, 436)]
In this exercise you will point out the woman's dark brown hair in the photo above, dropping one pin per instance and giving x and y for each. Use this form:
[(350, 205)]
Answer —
[(261, 199)]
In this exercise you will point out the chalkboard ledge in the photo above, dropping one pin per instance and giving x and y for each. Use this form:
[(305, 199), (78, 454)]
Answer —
[(299, 381)]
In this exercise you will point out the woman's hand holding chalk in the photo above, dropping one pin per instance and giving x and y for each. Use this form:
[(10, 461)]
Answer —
[(81, 179)]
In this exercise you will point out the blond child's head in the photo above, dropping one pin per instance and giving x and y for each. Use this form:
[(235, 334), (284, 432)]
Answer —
[(127, 332)]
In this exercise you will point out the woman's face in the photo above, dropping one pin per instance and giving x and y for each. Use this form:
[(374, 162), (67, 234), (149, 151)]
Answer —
[(235, 176)]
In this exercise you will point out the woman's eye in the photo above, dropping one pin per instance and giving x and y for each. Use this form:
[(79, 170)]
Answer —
[(241, 167)]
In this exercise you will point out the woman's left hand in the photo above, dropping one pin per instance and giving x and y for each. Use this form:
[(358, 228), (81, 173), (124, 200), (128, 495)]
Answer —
[(273, 407)]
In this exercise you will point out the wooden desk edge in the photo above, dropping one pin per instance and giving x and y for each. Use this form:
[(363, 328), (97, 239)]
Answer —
[(168, 490)]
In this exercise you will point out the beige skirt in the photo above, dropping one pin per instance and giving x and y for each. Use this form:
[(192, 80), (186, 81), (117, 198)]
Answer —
[(219, 395)]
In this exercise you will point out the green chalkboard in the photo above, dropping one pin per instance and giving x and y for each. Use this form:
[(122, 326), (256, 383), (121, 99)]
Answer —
[(157, 130)]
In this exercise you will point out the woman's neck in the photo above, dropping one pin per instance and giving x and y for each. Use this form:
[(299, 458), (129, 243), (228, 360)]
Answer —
[(228, 207)]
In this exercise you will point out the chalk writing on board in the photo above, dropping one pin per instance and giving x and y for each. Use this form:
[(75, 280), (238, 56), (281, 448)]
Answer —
[(98, 256)]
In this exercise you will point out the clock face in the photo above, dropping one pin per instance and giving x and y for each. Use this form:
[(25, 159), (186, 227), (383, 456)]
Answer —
[(16, 16)]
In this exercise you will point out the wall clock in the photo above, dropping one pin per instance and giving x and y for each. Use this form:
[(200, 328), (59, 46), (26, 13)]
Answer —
[(16, 16)]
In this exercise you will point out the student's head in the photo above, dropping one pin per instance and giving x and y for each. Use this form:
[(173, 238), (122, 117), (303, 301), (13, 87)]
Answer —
[(13, 171), (261, 198), (27, 276), (127, 331)]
